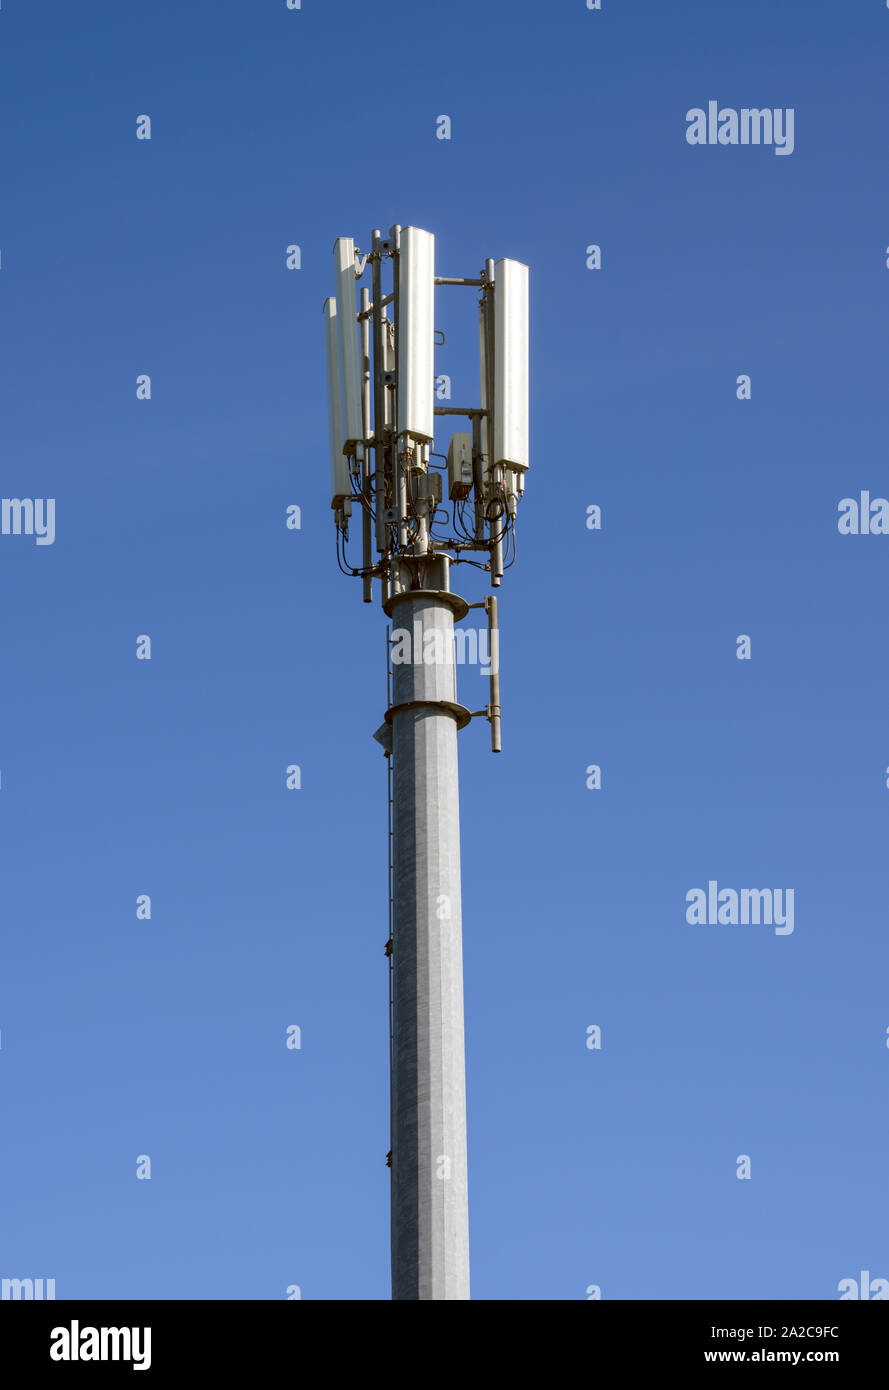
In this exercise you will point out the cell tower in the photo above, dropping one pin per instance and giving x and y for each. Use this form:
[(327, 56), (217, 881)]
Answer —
[(381, 411)]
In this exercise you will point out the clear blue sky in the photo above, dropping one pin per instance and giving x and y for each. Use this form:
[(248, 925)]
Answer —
[(122, 777)]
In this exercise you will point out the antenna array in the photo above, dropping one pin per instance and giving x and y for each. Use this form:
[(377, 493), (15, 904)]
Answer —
[(383, 412)]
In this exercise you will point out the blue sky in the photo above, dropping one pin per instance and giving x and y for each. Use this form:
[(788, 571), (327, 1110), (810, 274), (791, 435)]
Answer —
[(121, 777)]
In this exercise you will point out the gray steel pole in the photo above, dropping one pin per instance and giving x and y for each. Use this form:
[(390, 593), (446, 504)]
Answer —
[(430, 1218)]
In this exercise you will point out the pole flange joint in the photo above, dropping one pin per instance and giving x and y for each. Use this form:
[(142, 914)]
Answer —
[(454, 601), (458, 712)]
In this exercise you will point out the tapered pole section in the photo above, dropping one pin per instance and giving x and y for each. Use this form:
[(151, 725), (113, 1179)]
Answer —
[(430, 1220)]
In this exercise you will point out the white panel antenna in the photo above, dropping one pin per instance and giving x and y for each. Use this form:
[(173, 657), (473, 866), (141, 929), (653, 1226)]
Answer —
[(340, 486), (350, 359), (416, 334), (511, 386)]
